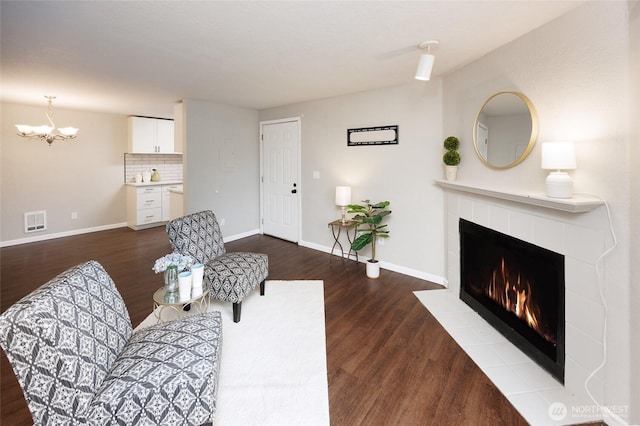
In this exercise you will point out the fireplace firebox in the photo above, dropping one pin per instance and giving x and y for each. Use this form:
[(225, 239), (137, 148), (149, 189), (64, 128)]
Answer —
[(518, 288)]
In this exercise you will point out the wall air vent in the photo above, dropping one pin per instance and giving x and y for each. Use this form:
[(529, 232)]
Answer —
[(35, 221)]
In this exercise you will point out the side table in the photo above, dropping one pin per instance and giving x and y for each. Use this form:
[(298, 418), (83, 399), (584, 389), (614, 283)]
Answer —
[(336, 228), (162, 300)]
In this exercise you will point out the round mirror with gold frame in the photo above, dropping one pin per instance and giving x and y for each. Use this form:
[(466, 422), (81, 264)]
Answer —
[(505, 130)]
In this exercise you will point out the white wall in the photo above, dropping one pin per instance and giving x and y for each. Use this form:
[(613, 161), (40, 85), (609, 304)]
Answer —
[(634, 130), (402, 174), (221, 164), (575, 70), (84, 175)]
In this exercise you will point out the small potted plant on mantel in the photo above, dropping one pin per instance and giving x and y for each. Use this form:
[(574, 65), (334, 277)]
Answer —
[(451, 158), (369, 218)]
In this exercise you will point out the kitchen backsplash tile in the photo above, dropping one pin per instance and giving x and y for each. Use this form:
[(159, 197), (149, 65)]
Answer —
[(169, 165)]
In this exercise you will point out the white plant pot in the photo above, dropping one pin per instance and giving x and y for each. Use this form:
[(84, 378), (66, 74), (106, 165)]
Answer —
[(373, 269), (451, 172)]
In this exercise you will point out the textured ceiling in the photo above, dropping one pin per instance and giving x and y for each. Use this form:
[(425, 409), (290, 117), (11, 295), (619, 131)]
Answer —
[(140, 57)]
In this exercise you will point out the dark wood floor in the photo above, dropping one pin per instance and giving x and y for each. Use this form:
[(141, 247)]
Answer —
[(389, 361)]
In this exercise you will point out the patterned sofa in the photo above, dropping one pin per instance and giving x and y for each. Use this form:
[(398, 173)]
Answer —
[(72, 347)]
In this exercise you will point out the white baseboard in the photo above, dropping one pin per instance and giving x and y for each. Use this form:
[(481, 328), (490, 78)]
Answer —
[(100, 228), (241, 235), (60, 234), (386, 265)]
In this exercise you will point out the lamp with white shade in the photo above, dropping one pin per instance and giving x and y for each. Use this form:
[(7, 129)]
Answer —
[(343, 199), (559, 156)]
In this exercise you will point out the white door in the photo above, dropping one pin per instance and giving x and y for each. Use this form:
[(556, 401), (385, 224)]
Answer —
[(482, 136), (280, 179)]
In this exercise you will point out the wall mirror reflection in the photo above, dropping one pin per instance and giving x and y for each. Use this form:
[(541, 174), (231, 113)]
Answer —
[(505, 130)]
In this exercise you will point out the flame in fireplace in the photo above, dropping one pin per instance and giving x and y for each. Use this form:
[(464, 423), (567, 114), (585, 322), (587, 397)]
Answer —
[(515, 295)]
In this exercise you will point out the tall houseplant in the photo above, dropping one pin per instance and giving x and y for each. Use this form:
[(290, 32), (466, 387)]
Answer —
[(451, 158), (369, 218)]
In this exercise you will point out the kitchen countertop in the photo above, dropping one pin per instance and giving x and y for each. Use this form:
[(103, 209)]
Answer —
[(160, 182)]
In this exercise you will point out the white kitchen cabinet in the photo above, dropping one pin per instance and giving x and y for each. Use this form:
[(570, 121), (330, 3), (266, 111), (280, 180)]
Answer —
[(150, 135), (144, 206), (177, 205), (166, 200)]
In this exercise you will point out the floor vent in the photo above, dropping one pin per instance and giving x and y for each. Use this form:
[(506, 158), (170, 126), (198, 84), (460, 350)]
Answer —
[(35, 221)]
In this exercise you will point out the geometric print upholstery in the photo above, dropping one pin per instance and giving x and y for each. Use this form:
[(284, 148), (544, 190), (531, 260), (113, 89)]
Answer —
[(167, 374), (231, 276), (73, 336), (62, 340), (235, 274), (197, 235)]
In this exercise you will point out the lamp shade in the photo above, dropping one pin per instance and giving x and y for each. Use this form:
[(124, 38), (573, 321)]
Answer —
[(558, 156), (423, 72), (23, 128), (68, 131), (343, 195)]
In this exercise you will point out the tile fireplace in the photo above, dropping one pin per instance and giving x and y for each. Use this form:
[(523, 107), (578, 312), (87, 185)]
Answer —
[(518, 288), (577, 232)]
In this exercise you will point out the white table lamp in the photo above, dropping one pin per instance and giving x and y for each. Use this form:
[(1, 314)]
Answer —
[(559, 156), (343, 199)]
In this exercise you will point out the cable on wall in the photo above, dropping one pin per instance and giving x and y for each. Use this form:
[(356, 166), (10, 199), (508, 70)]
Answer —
[(604, 305)]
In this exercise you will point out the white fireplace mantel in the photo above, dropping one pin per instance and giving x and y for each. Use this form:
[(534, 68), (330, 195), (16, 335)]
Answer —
[(577, 204)]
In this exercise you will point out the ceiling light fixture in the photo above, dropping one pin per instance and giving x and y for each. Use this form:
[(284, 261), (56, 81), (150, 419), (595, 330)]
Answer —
[(45, 132), (426, 60)]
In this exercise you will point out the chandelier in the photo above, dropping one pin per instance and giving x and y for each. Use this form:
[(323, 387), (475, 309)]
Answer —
[(45, 132)]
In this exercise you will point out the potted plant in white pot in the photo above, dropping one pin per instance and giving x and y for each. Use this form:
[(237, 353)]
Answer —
[(451, 158), (369, 217)]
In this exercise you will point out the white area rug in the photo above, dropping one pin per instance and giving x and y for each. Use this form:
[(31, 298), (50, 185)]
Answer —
[(274, 365)]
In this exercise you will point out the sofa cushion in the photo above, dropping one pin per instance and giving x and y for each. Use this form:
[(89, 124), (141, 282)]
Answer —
[(167, 374), (62, 340), (233, 275)]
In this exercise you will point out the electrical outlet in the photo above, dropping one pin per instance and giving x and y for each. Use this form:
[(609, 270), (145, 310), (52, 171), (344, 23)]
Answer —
[(380, 241), (74, 215), (222, 221)]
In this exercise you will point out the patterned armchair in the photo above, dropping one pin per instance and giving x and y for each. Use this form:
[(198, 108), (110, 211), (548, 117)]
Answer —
[(74, 353), (231, 276)]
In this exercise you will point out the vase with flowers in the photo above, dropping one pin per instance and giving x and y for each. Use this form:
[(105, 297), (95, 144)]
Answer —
[(172, 264)]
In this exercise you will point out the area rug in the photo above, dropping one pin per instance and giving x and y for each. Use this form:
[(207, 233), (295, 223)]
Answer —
[(274, 367)]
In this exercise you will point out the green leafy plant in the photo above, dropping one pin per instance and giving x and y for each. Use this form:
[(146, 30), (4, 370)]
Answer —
[(451, 157), (369, 217), (451, 143)]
